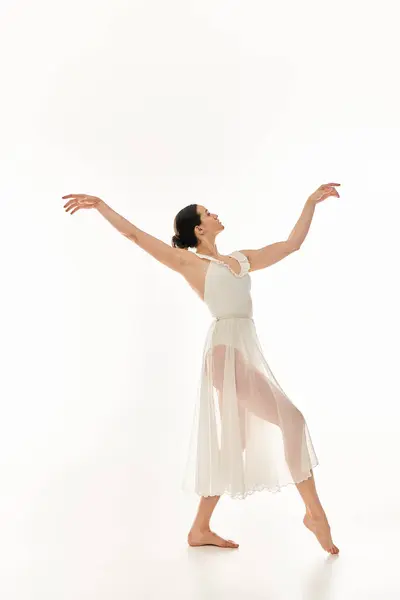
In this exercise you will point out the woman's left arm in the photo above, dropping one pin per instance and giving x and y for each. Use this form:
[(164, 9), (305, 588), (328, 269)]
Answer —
[(300, 230), (271, 254)]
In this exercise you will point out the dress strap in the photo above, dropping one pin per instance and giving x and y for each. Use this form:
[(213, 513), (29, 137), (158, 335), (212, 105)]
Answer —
[(239, 256), (244, 261), (205, 256)]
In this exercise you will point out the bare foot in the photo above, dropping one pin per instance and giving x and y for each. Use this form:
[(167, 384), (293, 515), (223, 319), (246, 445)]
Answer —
[(209, 538), (321, 529)]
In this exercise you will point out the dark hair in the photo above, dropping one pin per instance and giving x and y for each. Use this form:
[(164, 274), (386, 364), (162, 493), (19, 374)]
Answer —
[(184, 224)]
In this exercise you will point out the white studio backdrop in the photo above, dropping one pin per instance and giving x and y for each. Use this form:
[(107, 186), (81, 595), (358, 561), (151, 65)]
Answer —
[(245, 108)]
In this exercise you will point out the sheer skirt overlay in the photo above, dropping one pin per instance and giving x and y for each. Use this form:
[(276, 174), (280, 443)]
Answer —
[(247, 435)]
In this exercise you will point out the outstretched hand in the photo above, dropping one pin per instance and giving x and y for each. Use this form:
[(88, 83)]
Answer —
[(78, 201), (323, 192)]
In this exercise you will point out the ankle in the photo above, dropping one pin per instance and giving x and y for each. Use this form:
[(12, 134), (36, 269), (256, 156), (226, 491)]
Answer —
[(316, 513), (200, 528)]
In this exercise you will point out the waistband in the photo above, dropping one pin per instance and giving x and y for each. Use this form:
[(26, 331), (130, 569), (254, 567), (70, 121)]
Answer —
[(233, 317)]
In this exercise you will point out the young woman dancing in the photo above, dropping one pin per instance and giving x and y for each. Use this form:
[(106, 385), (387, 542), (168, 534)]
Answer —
[(247, 435)]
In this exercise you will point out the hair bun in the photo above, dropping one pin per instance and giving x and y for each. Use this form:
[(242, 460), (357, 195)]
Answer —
[(177, 242)]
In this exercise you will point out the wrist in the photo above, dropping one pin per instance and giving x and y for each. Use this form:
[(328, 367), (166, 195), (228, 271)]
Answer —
[(101, 204), (310, 201)]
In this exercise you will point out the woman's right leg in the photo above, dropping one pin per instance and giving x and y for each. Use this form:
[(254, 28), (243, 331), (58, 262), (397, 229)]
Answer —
[(200, 533)]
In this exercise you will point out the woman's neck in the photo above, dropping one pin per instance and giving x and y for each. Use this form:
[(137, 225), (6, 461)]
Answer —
[(209, 252)]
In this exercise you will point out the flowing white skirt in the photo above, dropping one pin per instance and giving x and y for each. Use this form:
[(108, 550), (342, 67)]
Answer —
[(247, 435)]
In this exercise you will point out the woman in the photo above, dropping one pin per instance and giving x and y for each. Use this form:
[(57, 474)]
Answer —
[(247, 434)]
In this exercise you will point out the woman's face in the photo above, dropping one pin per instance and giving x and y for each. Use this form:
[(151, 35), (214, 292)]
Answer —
[(209, 221)]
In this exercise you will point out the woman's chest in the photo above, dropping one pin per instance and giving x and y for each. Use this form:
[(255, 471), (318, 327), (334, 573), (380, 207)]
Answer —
[(212, 277)]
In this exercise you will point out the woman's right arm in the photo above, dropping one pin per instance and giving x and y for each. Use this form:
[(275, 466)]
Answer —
[(174, 258)]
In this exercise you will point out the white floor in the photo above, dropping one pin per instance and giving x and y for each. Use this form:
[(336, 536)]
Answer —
[(91, 531)]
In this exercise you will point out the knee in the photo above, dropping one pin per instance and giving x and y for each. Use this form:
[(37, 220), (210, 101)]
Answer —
[(297, 419)]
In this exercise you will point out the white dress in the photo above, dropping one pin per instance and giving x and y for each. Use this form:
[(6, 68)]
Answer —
[(247, 435)]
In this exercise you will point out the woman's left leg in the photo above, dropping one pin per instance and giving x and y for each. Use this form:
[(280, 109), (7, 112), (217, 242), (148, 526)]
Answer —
[(315, 518), (260, 396)]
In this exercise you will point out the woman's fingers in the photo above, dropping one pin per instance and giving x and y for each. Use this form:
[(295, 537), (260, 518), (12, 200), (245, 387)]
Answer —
[(77, 201), (329, 187), (324, 191), (70, 204), (73, 200)]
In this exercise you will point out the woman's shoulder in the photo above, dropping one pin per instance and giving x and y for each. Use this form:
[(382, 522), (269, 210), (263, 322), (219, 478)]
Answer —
[(241, 255)]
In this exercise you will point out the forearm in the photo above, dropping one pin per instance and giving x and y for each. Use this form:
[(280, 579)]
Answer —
[(300, 230), (118, 221), (164, 253)]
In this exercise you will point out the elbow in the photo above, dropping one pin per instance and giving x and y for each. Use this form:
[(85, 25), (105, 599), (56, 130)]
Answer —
[(294, 247), (131, 236)]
